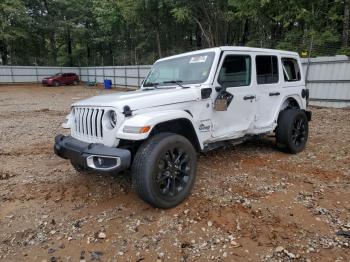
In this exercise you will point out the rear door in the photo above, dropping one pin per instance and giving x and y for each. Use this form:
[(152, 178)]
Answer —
[(269, 92), (235, 74)]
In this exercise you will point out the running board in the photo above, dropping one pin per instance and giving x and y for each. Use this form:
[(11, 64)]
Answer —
[(221, 144), (232, 142)]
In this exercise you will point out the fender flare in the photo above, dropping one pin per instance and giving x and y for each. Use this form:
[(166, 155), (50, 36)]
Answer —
[(152, 119), (296, 97)]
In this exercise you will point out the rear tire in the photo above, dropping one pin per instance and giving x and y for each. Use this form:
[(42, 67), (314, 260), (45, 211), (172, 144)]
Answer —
[(75, 83), (292, 130), (164, 170)]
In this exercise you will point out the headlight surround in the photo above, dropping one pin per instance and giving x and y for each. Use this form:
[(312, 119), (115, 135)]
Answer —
[(68, 121), (110, 119), (113, 118)]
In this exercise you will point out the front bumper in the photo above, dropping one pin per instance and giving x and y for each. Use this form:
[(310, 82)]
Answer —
[(92, 156)]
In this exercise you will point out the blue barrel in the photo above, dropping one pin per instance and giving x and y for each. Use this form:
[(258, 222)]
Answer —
[(108, 84)]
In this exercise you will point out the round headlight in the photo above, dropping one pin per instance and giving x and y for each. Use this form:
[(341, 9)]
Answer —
[(113, 118)]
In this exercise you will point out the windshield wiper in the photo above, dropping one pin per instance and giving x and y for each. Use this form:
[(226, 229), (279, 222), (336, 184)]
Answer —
[(177, 82), (150, 86)]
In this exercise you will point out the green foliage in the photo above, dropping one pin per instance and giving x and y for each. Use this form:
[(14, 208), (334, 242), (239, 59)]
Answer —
[(12, 16), (88, 32)]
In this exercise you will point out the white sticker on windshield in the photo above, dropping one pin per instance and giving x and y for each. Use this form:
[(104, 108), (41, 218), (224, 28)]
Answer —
[(198, 59)]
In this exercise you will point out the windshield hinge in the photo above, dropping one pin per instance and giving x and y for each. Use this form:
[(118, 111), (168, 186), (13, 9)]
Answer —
[(127, 111)]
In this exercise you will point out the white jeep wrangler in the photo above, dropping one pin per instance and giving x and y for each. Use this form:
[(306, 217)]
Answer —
[(188, 103)]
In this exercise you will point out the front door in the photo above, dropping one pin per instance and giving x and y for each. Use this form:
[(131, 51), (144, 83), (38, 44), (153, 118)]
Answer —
[(235, 75)]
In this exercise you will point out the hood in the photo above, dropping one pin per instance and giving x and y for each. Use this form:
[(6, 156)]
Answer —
[(141, 99)]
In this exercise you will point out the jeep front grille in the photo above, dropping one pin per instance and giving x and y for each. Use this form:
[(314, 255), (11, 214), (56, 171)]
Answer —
[(88, 123)]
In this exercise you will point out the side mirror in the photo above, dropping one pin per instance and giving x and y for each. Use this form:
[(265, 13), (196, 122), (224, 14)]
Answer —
[(223, 100)]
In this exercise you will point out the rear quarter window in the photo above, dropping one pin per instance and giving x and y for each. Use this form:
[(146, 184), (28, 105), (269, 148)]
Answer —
[(291, 70)]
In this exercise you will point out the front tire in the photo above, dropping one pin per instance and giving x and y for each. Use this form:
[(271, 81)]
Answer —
[(164, 170), (292, 130), (56, 84)]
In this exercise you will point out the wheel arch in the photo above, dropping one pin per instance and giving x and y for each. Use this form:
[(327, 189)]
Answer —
[(292, 101), (174, 121), (180, 126)]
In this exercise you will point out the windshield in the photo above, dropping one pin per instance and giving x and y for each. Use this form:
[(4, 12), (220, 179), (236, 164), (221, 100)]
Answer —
[(58, 74), (192, 69)]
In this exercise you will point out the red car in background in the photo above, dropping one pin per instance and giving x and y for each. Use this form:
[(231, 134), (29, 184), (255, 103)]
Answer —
[(61, 79)]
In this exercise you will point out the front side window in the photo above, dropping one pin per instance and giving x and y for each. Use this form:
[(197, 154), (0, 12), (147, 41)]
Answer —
[(267, 69), (235, 71), (291, 70), (191, 69)]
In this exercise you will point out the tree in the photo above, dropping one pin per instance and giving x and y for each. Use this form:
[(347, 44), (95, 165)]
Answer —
[(86, 32), (213, 19), (13, 19), (346, 23)]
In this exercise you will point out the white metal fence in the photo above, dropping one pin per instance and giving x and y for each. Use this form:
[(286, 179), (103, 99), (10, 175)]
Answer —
[(31, 74), (123, 76), (328, 78)]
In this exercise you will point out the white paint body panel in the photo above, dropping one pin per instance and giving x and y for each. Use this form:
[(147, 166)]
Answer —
[(243, 117)]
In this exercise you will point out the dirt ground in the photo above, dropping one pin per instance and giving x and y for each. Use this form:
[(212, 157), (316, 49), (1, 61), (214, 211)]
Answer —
[(250, 203)]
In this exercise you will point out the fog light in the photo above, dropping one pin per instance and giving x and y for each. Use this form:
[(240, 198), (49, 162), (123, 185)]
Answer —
[(103, 163)]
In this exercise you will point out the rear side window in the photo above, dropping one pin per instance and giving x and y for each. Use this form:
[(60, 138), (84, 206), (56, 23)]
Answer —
[(267, 69), (291, 70), (235, 71)]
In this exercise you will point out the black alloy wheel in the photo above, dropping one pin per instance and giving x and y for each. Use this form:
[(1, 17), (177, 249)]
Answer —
[(298, 131), (174, 172)]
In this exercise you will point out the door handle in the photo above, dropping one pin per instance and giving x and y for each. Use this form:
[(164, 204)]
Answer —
[(275, 94), (250, 97)]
